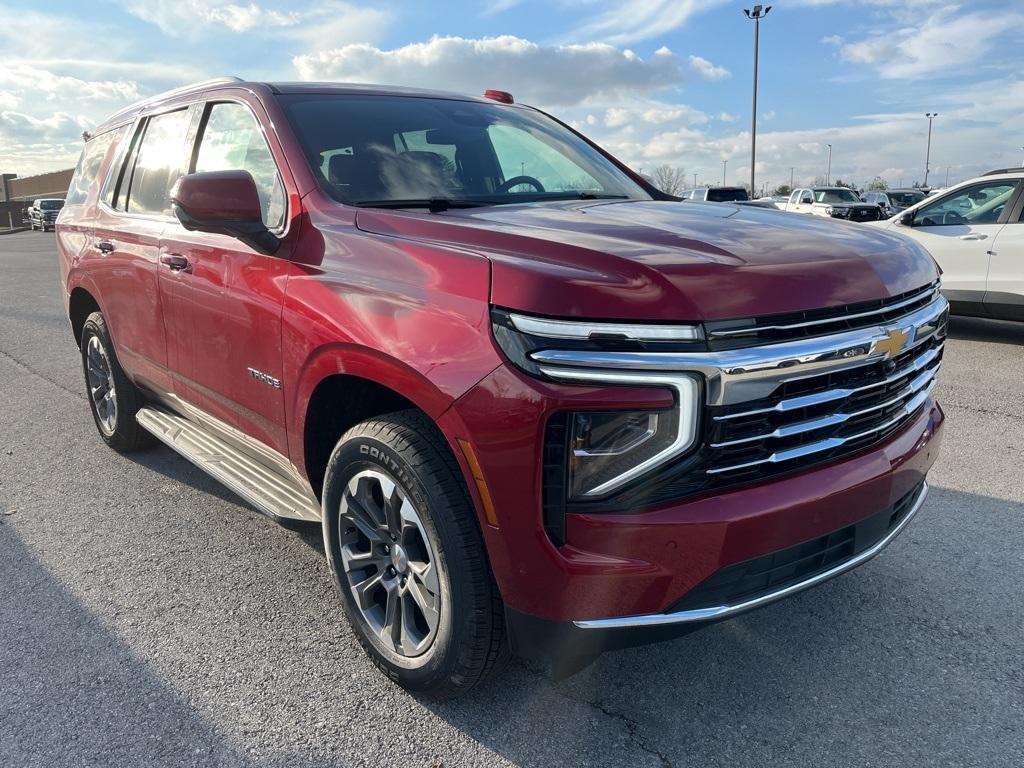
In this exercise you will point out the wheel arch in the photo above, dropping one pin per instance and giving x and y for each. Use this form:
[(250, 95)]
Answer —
[(81, 304)]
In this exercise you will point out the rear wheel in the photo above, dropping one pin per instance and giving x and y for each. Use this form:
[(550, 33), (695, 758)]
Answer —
[(113, 398), (408, 559)]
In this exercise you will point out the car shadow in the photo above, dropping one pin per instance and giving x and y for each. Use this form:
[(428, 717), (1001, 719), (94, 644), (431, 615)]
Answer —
[(73, 692), (984, 329)]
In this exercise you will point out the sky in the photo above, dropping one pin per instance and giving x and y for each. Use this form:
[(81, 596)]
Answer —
[(653, 81)]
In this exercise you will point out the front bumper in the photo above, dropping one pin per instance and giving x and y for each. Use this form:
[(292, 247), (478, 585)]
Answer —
[(642, 563), (567, 647)]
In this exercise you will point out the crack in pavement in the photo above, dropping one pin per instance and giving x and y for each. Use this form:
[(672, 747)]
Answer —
[(32, 371), (632, 726)]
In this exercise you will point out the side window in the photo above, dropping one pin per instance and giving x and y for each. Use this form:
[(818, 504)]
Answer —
[(159, 163), (806, 197), (795, 197), (88, 167), (232, 141), (977, 204)]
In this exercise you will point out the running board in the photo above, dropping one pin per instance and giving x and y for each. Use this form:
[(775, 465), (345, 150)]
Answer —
[(270, 492)]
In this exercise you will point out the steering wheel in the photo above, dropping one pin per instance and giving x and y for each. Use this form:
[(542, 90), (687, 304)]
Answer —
[(952, 217), (515, 181)]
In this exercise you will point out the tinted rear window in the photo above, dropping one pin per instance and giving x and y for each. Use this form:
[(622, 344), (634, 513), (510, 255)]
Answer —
[(727, 195), (89, 164)]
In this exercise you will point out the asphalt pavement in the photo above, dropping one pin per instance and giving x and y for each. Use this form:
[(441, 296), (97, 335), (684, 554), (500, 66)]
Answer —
[(148, 617)]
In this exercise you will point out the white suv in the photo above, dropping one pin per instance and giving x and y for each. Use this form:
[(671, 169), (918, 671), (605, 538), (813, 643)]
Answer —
[(975, 231)]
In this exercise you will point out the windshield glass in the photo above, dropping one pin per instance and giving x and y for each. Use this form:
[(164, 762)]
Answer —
[(390, 149), (836, 196), (727, 195), (905, 199), (51, 205)]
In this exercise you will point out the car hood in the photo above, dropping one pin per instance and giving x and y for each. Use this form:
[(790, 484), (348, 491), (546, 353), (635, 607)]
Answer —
[(667, 260)]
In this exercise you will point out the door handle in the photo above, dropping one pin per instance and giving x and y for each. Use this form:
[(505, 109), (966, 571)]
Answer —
[(176, 262), (105, 246), (975, 236)]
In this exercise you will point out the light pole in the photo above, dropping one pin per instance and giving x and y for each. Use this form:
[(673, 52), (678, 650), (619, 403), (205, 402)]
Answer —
[(928, 154), (758, 13), (947, 175), (828, 173), (724, 164), (694, 180), (791, 170)]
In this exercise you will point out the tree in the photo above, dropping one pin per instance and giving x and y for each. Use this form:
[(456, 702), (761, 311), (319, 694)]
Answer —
[(670, 179), (783, 190), (841, 183), (878, 184)]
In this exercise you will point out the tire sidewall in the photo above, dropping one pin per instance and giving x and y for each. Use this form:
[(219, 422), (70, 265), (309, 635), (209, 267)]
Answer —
[(355, 454), (124, 425)]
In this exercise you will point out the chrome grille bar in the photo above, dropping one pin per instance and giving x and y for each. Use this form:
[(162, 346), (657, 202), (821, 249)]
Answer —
[(832, 442), (830, 395)]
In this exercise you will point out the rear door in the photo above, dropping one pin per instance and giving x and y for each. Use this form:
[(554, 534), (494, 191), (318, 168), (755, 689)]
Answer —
[(126, 242), (959, 230), (1004, 290), (224, 333)]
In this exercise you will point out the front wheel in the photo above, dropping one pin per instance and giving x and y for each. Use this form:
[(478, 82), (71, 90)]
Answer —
[(406, 554)]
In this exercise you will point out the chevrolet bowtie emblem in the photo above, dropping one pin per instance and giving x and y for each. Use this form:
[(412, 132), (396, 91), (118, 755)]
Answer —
[(893, 344)]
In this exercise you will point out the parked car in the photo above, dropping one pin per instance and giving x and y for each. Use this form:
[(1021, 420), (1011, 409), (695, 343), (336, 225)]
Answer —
[(718, 194), (975, 231), (42, 214), (901, 199), (832, 202), (536, 405)]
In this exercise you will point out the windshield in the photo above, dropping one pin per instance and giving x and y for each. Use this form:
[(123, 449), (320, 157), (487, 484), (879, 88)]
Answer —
[(905, 199), (381, 150), (51, 205), (727, 195), (836, 196)]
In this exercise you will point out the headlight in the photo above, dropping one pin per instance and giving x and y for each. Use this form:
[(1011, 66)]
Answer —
[(606, 450), (604, 446), (830, 211)]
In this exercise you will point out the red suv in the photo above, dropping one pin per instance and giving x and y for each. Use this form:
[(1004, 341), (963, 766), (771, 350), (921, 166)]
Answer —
[(537, 405)]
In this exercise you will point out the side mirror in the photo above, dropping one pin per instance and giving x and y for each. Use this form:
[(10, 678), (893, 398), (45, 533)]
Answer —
[(907, 219), (224, 203)]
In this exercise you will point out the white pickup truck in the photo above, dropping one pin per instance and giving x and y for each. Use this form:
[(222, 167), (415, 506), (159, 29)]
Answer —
[(834, 202)]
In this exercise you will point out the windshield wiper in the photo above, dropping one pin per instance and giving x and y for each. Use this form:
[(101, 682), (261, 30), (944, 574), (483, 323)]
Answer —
[(433, 204), (585, 196)]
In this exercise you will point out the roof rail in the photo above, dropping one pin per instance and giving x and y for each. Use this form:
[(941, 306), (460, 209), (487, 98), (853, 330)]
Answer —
[(174, 92), (997, 171)]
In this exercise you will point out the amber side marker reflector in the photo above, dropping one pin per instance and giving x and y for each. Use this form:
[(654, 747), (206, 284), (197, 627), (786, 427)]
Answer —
[(481, 484)]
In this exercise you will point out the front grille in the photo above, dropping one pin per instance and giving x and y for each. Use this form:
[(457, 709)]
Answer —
[(732, 334), (865, 214), (803, 423), (775, 571), (822, 417)]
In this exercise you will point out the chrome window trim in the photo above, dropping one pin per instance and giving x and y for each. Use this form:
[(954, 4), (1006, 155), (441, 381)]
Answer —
[(686, 389), (930, 290), (716, 612)]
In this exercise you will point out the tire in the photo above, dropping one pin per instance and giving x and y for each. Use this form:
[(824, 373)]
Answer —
[(113, 398), (437, 526)]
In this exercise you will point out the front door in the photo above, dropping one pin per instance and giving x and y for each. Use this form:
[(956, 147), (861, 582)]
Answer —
[(959, 229), (1004, 291), (224, 335)]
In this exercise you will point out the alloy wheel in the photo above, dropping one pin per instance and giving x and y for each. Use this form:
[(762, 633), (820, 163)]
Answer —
[(389, 563), (101, 384)]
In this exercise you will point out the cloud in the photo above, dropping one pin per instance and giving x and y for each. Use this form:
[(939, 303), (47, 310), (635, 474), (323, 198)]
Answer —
[(725, 117), (550, 75), (315, 24), (944, 40), (707, 70), (627, 22)]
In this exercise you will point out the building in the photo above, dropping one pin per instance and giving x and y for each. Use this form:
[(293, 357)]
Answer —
[(16, 194), (28, 188)]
